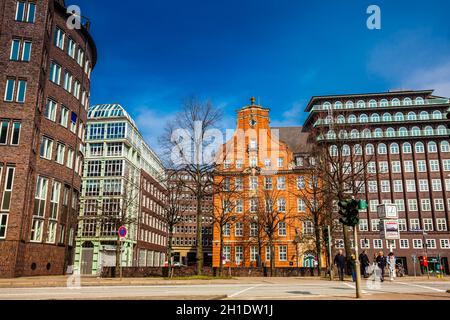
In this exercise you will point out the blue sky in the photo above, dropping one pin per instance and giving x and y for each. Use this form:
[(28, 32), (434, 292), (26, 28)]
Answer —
[(154, 53)]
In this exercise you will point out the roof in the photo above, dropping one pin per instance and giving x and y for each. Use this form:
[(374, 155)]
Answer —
[(295, 138), (360, 95), (109, 111)]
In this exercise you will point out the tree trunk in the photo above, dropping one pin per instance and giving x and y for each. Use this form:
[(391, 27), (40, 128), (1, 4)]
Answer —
[(272, 257), (199, 237), (221, 252), (169, 251), (118, 257), (347, 246), (318, 249)]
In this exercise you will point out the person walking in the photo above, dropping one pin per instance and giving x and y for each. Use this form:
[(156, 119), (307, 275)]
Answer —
[(352, 265), (381, 263), (364, 263), (391, 261), (339, 261)]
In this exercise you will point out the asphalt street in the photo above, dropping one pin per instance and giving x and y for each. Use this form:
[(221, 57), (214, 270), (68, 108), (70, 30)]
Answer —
[(305, 289)]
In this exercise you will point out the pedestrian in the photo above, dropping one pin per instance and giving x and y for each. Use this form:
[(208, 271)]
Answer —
[(364, 263), (391, 261), (339, 261), (381, 263), (352, 265)]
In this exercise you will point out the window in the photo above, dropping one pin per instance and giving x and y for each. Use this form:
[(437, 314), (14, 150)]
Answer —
[(428, 224), (253, 183), (377, 244), (3, 225), (73, 122), (395, 102), (15, 136), (441, 224), (382, 149), (64, 117), (36, 230), (227, 253), (445, 244), (399, 116), (267, 163), (96, 131), (253, 162), (25, 11), (71, 45), (239, 183), (411, 116), (373, 204), (54, 200), (363, 225), (409, 166), (40, 197), (282, 228), (226, 230), (446, 165), (55, 73), (112, 149), (253, 205), (394, 148), (439, 205), (421, 166), (436, 185), (239, 229), (404, 244), (375, 224), (239, 163), (423, 185), (396, 167), (76, 89), (445, 146), (281, 183), (282, 253), (69, 162), (4, 128), (115, 131), (365, 244), (410, 186), (301, 205), (46, 148), (239, 206), (412, 205), (59, 38), (402, 225), (253, 229), (398, 186), (239, 254), (281, 202), (60, 151), (384, 166), (50, 110), (426, 204), (385, 186), (406, 147), (280, 162), (68, 80), (20, 50), (420, 147), (300, 182), (268, 183), (414, 224), (80, 57), (10, 90), (417, 244), (434, 165), (7, 189), (431, 243)]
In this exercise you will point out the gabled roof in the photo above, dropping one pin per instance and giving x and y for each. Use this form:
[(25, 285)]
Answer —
[(295, 138)]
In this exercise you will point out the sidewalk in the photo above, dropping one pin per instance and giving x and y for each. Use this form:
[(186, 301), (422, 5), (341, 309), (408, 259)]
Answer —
[(61, 281)]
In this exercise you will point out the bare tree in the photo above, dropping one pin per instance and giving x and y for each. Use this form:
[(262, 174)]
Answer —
[(187, 148)]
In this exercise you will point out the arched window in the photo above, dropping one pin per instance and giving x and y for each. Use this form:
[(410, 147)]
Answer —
[(403, 132), (343, 134), (442, 130), (445, 146), (384, 103), (372, 103), (375, 117), (407, 102), (432, 147), (387, 117), (370, 149), (390, 132), (338, 105), (366, 133), (333, 150), (361, 104), (415, 131), (382, 149), (341, 119), (352, 118), (395, 102), (349, 104), (327, 106), (420, 148), (346, 151), (378, 133), (428, 131), (399, 116), (406, 147), (394, 148), (358, 149), (424, 115), (331, 135), (363, 118), (328, 120), (437, 115), (354, 134), (420, 101), (412, 116)]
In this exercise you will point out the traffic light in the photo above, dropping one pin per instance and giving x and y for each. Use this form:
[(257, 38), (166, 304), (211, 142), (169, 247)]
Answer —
[(349, 210)]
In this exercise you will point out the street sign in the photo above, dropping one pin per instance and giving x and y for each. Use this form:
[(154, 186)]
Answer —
[(122, 232), (389, 229), (387, 211)]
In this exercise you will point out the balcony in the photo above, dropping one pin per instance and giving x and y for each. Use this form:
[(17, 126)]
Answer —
[(390, 135)]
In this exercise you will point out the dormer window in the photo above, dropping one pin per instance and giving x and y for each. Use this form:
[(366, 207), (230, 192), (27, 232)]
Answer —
[(299, 161), (280, 162)]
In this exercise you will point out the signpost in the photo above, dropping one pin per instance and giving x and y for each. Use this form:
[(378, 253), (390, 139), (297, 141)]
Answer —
[(389, 226), (122, 233), (414, 259)]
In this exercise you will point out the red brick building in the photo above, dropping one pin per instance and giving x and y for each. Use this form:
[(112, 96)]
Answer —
[(45, 70)]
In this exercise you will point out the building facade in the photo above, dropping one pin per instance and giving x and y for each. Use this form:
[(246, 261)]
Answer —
[(259, 165), (122, 186), (184, 240), (45, 72), (406, 144)]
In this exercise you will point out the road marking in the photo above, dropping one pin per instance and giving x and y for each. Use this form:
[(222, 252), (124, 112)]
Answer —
[(353, 287), (420, 286), (242, 291)]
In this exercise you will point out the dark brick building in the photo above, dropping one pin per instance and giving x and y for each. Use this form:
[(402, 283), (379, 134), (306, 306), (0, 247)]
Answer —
[(407, 150), (45, 70)]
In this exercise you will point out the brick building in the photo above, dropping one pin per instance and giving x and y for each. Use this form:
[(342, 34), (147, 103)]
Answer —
[(407, 141), (184, 240), (122, 177), (45, 81)]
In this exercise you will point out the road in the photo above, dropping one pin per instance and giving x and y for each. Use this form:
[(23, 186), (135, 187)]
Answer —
[(264, 289)]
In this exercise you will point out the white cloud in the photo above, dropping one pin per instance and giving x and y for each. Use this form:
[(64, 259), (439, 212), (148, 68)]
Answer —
[(290, 117), (437, 78)]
